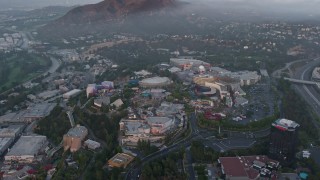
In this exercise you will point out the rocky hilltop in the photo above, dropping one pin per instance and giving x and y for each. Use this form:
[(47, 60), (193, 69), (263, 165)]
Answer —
[(108, 10)]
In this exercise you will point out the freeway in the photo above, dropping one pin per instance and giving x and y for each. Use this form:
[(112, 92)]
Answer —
[(309, 92)]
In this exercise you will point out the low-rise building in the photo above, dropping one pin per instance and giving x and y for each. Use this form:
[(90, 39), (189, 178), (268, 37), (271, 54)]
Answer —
[(5, 143), (93, 145), (38, 111), (100, 101), (72, 93), (73, 139), (120, 160), (28, 149), (10, 131)]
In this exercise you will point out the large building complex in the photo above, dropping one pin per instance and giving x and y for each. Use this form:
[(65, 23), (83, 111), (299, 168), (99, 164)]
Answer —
[(283, 140), (72, 93), (248, 167), (152, 129), (74, 138), (28, 149)]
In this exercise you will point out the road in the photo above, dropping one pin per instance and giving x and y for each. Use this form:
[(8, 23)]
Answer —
[(205, 136), (55, 64), (309, 92)]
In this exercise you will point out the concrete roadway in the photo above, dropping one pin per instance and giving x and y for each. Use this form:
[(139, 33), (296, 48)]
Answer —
[(309, 92)]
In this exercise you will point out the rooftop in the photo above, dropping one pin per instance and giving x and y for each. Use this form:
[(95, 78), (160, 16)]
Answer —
[(285, 124), (78, 131), (27, 145), (4, 141), (158, 120), (121, 159), (243, 166), (39, 110), (10, 131), (135, 127)]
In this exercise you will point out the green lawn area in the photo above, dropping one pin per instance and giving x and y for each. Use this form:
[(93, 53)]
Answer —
[(19, 67)]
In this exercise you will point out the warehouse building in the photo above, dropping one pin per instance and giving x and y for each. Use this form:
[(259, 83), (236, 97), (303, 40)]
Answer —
[(38, 111), (28, 149), (72, 93), (10, 131)]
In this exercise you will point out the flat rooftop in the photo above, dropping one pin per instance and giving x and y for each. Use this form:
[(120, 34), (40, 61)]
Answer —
[(132, 127), (121, 159), (5, 141), (39, 110), (28, 145), (13, 117), (78, 131)]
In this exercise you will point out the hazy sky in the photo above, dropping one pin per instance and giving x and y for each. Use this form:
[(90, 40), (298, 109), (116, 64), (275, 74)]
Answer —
[(30, 4)]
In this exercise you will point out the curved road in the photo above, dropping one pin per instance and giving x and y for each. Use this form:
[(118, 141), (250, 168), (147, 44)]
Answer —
[(55, 64), (205, 136), (309, 92)]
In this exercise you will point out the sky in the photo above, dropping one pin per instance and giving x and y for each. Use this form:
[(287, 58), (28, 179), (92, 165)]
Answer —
[(32, 4)]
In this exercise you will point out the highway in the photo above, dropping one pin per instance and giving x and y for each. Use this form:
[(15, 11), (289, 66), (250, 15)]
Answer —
[(309, 92)]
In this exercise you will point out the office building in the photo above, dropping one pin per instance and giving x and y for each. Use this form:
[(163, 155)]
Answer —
[(283, 140)]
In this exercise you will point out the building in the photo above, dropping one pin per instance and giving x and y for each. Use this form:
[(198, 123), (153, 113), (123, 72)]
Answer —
[(248, 167), (283, 140), (316, 74), (100, 101), (155, 82), (160, 125), (93, 89), (167, 109), (38, 111), (72, 93), (73, 139), (120, 160), (93, 145), (135, 131), (28, 149), (11, 131), (118, 103), (5, 143), (186, 64)]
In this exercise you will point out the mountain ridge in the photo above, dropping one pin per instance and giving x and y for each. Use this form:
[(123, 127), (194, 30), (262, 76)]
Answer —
[(108, 10)]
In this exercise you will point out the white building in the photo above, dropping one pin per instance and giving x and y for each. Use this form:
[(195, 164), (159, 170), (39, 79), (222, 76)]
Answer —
[(93, 145)]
